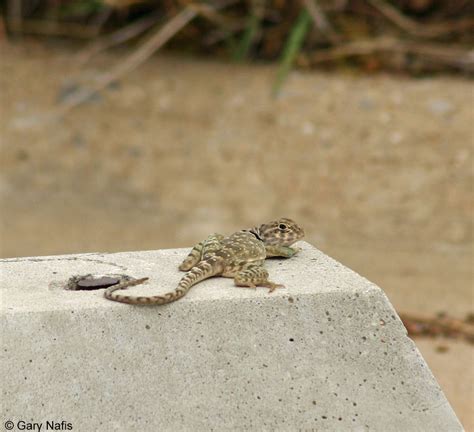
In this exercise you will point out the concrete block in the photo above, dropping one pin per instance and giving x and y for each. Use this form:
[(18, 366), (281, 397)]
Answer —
[(326, 353)]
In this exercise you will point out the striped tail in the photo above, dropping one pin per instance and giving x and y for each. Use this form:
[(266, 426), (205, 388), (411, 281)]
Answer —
[(203, 270)]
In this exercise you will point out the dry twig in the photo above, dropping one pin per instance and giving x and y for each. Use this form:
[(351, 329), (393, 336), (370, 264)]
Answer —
[(420, 30), (125, 33), (438, 326), (156, 41), (456, 57), (320, 20)]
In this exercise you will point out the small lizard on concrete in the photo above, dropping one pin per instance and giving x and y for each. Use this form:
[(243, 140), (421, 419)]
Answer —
[(239, 256)]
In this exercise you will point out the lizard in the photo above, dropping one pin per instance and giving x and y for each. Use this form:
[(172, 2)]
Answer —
[(240, 256)]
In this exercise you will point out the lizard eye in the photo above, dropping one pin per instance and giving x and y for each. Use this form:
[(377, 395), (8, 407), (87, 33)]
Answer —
[(282, 226)]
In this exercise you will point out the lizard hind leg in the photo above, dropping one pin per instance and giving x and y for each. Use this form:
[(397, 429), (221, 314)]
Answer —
[(254, 276), (193, 258), (196, 254)]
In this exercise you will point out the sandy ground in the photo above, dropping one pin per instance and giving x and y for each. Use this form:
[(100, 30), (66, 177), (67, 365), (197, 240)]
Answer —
[(377, 169)]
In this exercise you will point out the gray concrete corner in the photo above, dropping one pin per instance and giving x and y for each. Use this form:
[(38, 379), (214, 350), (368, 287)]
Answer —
[(326, 353)]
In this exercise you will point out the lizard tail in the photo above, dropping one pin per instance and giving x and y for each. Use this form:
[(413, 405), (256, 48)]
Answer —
[(203, 270)]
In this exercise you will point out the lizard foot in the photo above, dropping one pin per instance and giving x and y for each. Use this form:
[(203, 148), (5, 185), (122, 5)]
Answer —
[(272, 286), (296, 250), (248, 285)]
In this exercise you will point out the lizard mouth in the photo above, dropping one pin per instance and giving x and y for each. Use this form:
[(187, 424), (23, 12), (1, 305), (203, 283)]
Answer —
[(292, 239)]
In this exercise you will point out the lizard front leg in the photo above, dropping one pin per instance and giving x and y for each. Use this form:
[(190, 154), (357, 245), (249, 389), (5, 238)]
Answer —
[(255, 275), (280, 251)]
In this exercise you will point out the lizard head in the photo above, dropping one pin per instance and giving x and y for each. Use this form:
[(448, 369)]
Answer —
[(283, 232)]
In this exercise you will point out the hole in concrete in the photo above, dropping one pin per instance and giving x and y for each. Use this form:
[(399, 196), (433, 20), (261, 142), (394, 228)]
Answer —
[(90, 282)]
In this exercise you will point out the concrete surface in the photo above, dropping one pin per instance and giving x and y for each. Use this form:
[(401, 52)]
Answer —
[(328, 352)]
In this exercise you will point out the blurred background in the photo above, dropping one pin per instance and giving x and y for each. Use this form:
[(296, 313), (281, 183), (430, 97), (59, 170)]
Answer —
[(131, 125)]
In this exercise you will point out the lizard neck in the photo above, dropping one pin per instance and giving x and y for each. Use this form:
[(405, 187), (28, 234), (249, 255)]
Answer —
[(256, 232)]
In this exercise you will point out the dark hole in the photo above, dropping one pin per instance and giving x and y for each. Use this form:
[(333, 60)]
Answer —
[(89, 282)]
